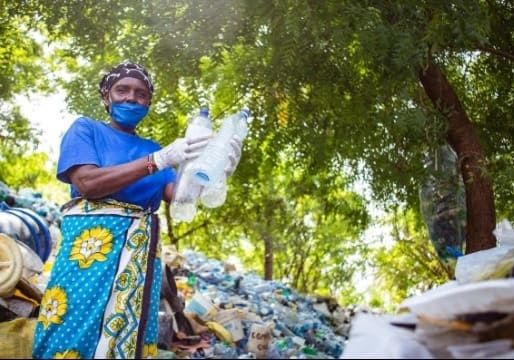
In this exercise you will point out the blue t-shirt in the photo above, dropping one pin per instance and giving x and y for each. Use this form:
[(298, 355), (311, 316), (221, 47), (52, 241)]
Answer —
[(88, 141)]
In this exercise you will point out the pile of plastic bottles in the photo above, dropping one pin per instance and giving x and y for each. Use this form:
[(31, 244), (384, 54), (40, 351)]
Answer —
[(298, 326)]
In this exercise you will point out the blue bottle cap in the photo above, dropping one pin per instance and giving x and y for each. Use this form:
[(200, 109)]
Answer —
[(204, 110), (246, 112)]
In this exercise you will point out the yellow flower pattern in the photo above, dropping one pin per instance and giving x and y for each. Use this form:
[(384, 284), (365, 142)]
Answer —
[(130, 345), (116, 323), (150, 350), (91, 245), (124, 280), (68, 354), (54, 305)]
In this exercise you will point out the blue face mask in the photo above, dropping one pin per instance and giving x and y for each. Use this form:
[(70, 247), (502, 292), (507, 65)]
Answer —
[(128, 115)]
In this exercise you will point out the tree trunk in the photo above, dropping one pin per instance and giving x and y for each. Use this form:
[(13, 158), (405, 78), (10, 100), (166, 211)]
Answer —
[(462, 137), (268, 257)]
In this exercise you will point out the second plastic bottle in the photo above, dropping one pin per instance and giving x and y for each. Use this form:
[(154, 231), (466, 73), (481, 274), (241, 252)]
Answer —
[(210, 166)]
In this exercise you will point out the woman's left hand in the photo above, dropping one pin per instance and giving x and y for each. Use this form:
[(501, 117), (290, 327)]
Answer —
[(234, 156)]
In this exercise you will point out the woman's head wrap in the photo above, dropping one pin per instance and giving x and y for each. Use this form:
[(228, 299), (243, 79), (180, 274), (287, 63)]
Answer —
[(123, 70)]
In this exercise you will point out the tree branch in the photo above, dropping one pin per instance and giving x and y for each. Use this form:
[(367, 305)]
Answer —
[(494, 51)]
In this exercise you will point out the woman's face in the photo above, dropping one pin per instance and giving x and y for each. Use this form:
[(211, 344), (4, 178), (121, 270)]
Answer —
[(128, 89)]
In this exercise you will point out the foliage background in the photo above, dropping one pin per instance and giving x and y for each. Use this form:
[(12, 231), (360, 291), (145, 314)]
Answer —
[(336, 103)]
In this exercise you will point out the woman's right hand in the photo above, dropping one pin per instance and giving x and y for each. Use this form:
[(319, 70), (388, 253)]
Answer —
[(180, 150)]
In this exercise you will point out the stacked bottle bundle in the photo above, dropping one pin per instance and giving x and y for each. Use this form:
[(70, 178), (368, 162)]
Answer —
[(209, 168), (204, 178)]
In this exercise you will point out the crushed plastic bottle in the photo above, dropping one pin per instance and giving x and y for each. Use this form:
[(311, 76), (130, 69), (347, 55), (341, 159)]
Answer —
[(224, 350)]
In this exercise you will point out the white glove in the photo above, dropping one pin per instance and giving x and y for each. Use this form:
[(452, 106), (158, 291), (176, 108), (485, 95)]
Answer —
[(234, 156), (180, 150)]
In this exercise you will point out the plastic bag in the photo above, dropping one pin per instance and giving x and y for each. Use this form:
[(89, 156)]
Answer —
[(443, 204), (495, 263), (504, 233)]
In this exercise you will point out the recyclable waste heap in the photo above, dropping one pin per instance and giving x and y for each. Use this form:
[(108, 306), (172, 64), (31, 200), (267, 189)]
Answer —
[(471, 316), (253, 318), (211, 309)]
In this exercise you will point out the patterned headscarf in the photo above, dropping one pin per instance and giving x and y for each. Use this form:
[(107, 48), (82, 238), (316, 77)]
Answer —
[(123, 70)]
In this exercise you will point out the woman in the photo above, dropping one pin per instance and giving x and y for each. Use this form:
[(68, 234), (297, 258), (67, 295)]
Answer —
[(103, 293)]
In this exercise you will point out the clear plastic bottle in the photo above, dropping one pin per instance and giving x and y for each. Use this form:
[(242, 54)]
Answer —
[(210, 166), (215, 195), (186, 190)]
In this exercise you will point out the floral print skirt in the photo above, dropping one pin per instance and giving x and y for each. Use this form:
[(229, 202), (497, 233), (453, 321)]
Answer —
[(96, 304)]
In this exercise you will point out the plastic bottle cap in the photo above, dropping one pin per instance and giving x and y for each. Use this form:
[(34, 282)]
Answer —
[(204, 110), (246, 112)]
